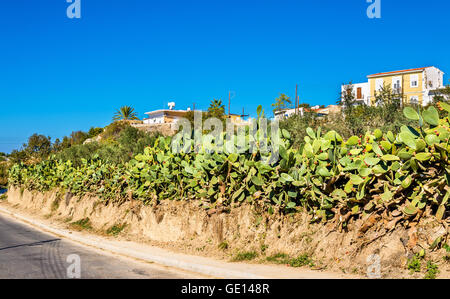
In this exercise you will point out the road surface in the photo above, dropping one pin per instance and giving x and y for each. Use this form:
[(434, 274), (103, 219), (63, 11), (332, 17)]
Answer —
[(26, 252)]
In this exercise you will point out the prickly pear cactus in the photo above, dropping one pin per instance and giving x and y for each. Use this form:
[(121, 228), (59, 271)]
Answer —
[(405, 175)]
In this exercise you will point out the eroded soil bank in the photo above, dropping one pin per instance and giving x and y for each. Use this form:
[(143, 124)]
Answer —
[(246, 232)]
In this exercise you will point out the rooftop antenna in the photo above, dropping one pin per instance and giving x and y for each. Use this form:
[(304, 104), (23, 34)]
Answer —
[(243, 114)]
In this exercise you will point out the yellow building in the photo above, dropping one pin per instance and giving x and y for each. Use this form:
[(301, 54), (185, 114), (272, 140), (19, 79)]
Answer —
[(237, 120), (416, 85)]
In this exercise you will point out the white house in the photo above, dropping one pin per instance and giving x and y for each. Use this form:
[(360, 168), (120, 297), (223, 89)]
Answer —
[(164, 116), (418, 85), (360, 91), (286, 113)]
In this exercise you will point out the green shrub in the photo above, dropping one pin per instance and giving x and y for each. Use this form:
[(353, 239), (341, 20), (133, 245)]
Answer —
[(432, 271), (133, 141), (116, 229), (446, 247), (129, 142), (278, 258), (223, 245), (82, 224), (113, 130), (4, 166), (407, 172), (357, 122), (301, 261), (414, 264), (78, 152), (94, 132), (245, 256)]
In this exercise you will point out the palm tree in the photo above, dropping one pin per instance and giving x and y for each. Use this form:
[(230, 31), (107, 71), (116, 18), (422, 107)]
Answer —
[(125, 113), (216, 109)]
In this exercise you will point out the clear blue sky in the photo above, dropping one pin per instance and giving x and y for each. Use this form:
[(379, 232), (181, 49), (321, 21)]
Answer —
[(58, 75)]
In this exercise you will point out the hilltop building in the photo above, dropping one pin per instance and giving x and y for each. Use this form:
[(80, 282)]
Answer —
[(165, 120), (164, 116), (286, 113), (417, 85)]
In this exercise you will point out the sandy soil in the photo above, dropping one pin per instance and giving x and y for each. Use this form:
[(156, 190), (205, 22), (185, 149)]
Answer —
[(186, 227)]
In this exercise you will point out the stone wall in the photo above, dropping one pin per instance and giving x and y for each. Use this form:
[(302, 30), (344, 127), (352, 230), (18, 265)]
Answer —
[(165, 129)]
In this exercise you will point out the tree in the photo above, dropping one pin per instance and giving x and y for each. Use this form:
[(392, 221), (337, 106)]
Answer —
[(18, 156), (3, 174), (125, 113), (281, 102), (216, 109), (387, 96), (66, 142), (134, 141), (93, 132), (389, 101), (442, 94), (39, 146), (78, 137), (347, 99), (352, 113), (446, 92), (304, 105)]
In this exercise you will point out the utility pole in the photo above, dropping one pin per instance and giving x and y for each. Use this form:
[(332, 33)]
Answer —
[(296, 99), (193, 106)]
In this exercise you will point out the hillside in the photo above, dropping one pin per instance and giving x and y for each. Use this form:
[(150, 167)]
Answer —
[(375, 184)]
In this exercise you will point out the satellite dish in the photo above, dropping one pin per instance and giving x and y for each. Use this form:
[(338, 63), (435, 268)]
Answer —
[(171, 105)]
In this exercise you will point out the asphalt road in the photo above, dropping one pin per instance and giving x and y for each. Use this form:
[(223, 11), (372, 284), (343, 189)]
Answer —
[(29, 253)]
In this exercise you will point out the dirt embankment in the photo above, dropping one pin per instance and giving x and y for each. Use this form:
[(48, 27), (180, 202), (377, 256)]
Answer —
[(184, 226)]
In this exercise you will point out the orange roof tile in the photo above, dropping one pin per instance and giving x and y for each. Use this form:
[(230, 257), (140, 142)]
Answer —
[(397, 72)]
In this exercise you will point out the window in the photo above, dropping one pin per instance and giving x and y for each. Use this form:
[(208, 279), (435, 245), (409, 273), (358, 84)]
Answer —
[(379, 83), (414, 80), (396, 84), (414, 100), (359, 93)]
